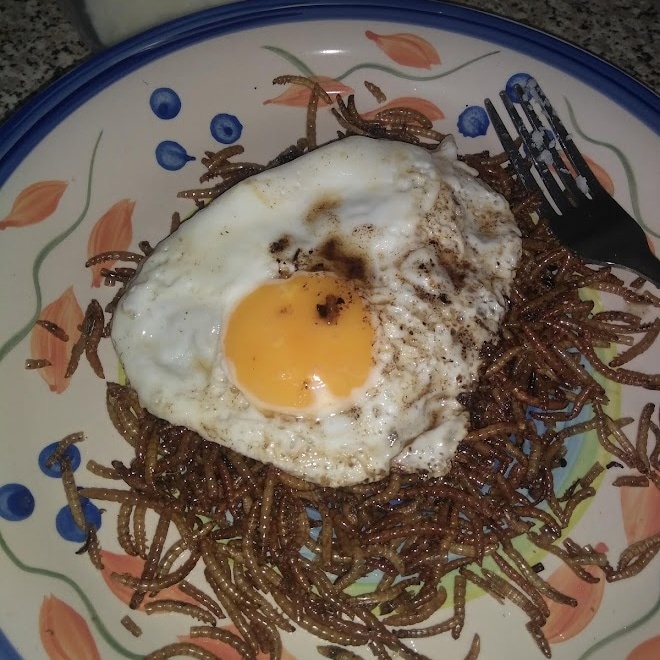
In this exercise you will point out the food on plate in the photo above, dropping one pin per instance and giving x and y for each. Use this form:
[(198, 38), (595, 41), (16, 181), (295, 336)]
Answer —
[(324, 315), (371, 564)]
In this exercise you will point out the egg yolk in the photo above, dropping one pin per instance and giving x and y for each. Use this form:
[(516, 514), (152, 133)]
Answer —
[(300, 343)]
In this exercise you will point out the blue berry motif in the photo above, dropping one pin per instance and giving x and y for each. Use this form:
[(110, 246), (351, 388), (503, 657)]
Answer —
[(7, 650), (55, 470), (473, 121), (171, 155), (226, 128), (67, 528), (16, 502), (516, 79), (165, 103)]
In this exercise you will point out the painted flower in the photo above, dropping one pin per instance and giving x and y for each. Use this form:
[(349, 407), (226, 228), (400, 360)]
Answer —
[(516, 79), (67, 527), (64, 633), (165, 103), (226, 651), (55, 470), (564, 621), (428, 109), (406, 49), (116, 563), (226, 128), (171, 155), (35, 203), (16, 502), (113, 231), (640, 508), (648, 650), (67, 314), (299, 95), (473, 121)]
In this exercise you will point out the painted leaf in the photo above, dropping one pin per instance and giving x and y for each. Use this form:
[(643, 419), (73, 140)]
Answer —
[(226, 651), (406, 49), (428, 109), (299, 95), (648, 650), (113, 231), (640, 508), (34, 204), (564, 621), (116, 563), (603, 177), (65, 312), (64, 633)]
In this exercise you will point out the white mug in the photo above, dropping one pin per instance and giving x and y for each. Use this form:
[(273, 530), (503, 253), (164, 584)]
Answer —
[(105, 22)]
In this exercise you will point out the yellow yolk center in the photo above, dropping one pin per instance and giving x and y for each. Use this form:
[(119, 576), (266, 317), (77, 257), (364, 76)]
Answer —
[(301, 343)]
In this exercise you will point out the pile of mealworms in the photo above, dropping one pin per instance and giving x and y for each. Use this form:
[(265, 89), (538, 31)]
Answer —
[(280, 553)]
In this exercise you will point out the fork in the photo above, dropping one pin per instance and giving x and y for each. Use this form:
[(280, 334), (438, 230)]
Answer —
[(580, 212)]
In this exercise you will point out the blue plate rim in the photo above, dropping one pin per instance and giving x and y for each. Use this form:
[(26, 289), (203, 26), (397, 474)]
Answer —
[(38, 117)]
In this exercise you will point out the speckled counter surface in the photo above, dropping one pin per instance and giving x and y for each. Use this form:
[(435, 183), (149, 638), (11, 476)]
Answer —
[(38, 44)]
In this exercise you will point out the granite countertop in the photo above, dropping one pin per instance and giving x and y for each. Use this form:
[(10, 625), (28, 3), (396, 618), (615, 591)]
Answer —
[(38, 44)]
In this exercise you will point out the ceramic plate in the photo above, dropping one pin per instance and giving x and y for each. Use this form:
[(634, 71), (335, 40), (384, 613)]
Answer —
[(94, 164)]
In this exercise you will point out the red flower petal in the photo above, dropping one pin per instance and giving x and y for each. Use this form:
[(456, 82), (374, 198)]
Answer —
[(115, 563), (65, 312), (64, 633), (648, 650), (564, 621), (640, 508), (34, 204), (299, 95), (428, 109), (406, 49), (601, 174), (113, 231)]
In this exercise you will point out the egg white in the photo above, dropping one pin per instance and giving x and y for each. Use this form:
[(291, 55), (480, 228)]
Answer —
[(437, 252)]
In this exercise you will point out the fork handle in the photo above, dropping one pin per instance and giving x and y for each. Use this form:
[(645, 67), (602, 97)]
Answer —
[(634, 252), (631, 252), (648, 265)]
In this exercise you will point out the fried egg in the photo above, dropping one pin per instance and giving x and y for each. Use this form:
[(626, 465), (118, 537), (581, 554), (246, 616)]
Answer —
[(324, 315)]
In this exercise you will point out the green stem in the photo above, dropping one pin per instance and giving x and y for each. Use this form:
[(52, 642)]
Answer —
[(306, 71), (7, 347), (291, 59), (105, 633), (18, 336), (621, 632), (409, 76), (627, 168)]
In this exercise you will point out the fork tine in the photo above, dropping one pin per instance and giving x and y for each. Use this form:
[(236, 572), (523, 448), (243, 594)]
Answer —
[(540, 135), (518, 161), (590, 221), (512, 150), (520, 164), (537, 156), (534, 90)]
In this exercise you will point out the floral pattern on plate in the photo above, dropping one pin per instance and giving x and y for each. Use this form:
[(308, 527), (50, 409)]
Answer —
[(70, 624)]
